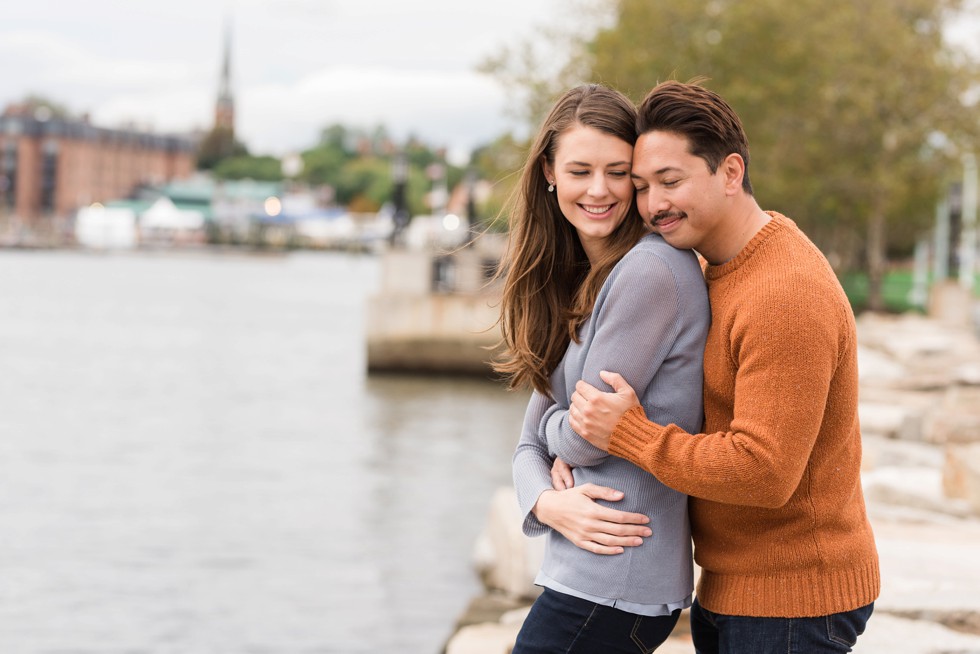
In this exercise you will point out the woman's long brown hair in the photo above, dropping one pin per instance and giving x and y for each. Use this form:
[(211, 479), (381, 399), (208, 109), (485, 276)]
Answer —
[(550, 287)]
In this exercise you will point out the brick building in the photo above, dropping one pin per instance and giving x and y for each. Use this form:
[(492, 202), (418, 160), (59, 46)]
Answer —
[(51, 165)]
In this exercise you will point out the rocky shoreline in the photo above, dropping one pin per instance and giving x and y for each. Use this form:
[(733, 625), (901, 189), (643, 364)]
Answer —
[(920, 420)]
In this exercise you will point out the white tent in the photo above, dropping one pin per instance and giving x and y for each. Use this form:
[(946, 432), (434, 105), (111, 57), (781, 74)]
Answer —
[(105, 227), (163, 215)]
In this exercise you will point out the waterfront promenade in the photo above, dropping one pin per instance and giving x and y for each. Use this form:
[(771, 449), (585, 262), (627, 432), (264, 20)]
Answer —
[(920, 415)]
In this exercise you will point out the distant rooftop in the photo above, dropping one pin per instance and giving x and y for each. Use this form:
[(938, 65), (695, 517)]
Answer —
[(37, 120)]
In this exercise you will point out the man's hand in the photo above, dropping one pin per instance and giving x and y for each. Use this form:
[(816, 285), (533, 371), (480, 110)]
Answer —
[(594, 414), (588, 525)]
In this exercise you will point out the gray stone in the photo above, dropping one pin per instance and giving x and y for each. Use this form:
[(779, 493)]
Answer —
[(506, 560), (486, 638), (957, 420), (961, 473)]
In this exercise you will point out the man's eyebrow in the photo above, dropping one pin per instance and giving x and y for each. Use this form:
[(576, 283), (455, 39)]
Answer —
[(666, 169)]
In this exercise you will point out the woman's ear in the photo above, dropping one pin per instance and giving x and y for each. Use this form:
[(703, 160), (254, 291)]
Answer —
[(549, 174)]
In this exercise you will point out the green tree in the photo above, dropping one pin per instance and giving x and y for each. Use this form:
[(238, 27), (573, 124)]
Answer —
[(217, 145), (499, 163), (264, 168), (40, 105), (844, 103)]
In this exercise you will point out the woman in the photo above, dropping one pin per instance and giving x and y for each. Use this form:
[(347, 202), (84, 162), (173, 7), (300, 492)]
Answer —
[(589, 289)]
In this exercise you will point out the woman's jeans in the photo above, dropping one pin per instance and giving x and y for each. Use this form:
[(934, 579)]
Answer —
[(714, 633), (563, 623)]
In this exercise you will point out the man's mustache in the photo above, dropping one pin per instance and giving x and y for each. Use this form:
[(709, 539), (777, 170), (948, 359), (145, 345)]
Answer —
[(667, 215)]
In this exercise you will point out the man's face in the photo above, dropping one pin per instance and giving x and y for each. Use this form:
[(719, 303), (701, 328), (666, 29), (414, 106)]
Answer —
[(677, 194)]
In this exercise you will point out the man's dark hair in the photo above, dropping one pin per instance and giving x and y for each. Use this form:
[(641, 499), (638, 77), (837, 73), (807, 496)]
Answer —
[(710, 125)]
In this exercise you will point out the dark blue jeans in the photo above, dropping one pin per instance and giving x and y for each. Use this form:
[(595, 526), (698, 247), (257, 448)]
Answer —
[(560, 623), (714, 633)]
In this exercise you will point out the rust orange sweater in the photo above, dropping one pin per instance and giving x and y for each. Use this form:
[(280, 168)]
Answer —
[(777, 511)]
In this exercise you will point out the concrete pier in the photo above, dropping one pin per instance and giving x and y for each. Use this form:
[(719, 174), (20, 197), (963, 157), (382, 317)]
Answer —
[(437, 311)]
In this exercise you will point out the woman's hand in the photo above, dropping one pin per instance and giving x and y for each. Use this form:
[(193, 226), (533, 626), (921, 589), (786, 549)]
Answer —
[(561, 475), (575, 514)]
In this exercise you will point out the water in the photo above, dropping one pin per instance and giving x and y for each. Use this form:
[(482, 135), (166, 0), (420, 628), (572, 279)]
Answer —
[(193, 460)]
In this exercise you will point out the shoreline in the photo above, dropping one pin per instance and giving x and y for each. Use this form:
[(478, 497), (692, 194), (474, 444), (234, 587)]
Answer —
[(920, 419)]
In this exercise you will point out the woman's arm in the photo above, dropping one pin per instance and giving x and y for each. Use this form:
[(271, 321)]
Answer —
[(636, 324), (573, 512)]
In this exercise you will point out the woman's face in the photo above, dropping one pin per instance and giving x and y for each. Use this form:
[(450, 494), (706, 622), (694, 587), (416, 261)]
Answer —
[(591, 174)]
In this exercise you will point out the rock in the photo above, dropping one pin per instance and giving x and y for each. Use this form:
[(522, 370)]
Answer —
[(486, 638), (876, 368), (968, 374), (883, 452), (506, 560), (961, 473), (917, 488), (928, 568), (490, 608), (957, 420), (949, 303), (891, 420), (888, 633), (920, 420)]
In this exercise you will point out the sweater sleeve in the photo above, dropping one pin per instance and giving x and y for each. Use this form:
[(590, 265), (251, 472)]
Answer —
[(786, 346), (636, 325), (532, 464)]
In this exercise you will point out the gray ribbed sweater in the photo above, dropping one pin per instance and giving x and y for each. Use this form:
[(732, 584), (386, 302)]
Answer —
[(649, 324)]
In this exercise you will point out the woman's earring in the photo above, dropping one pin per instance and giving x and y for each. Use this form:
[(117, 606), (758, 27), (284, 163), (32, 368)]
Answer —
[(551, 187)]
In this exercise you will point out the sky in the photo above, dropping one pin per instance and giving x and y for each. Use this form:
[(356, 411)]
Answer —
[(297, 65)]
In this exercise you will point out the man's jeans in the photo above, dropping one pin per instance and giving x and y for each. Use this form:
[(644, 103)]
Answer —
[(714, 633)]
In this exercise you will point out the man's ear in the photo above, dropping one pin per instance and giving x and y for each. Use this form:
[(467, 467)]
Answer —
[(733, 168)]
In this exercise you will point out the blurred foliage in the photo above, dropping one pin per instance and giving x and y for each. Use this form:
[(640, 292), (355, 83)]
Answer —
[(857, 112), (499, 163), (263, 168), (48, 107), (356, 166), (359, 166), (218, 145)]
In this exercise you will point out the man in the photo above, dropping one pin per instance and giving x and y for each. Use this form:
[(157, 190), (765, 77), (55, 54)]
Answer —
[(777, 512)]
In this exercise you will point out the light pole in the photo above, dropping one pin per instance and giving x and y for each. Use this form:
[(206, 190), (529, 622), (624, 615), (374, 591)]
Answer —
[(968, 220), (401, 217)]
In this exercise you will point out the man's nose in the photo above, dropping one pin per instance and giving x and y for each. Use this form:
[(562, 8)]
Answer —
[(656, 203)]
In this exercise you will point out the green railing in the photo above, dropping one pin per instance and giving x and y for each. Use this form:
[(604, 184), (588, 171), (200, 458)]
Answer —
[(896, 289)]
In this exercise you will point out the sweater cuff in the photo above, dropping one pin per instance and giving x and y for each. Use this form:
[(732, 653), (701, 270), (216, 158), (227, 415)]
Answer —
[(631, 434)]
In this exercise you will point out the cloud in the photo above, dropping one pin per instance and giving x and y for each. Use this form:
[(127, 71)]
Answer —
[(456, 109), (297, 65), (47, 61)]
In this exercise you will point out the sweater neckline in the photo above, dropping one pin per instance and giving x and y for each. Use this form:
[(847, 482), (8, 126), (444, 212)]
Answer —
[(777, 222)]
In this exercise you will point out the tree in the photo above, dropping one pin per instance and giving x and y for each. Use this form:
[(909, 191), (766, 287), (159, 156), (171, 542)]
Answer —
[(217, 145), (537, 71), (842, 101), (500, 163), (264, 168)]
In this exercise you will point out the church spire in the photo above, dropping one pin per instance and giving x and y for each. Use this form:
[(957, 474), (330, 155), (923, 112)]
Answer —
[(224, 109)]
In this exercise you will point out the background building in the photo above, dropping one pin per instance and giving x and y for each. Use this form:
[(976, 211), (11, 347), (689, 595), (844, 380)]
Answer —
[(50, 164)]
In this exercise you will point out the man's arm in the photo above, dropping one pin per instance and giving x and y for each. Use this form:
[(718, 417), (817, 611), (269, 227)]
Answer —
[(782, 385), (595, 414)]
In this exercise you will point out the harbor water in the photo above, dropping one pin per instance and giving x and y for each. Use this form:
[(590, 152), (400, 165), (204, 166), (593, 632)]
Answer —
[(193, 460)]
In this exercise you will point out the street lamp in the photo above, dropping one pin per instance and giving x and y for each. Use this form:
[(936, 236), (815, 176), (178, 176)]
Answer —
[(399, 177)]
